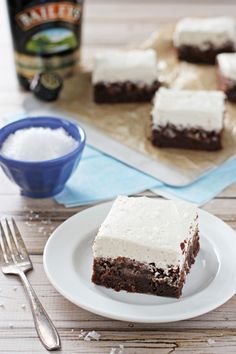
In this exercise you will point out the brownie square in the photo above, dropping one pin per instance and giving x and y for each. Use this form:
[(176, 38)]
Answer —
[(199, 40), (146, 245), (187, 119), (125, 77)]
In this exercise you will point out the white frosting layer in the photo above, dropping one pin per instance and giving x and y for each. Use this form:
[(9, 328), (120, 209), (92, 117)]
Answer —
[(119, 66), (227, 65), (203, 32), (147, 230), (186, 109)]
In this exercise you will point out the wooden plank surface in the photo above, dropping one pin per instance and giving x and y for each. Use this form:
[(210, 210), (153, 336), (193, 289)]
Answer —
[(107, 24)]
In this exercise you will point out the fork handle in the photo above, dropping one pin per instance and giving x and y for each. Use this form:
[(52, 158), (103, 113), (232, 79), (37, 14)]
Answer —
[(44, 326)]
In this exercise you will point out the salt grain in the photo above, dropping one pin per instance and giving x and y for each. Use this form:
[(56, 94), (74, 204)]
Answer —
[(11, 325), (23, 306), (211, 341), (15, 288), (82, 334), (87, 339), (92, 335), (117, 350), (121, 351), (1, 305), (24, 144), (113, 351)]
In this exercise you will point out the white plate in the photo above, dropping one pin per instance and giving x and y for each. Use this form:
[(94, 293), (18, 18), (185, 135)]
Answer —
[(211, 282)]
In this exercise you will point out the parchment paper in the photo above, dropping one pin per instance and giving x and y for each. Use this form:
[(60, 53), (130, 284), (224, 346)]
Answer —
[(130, 123)]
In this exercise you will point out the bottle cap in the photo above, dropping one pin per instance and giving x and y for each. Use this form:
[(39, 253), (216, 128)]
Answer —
[(46, 86)]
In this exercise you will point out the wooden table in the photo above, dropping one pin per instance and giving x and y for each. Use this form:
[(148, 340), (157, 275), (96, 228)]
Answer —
[(106, 24)]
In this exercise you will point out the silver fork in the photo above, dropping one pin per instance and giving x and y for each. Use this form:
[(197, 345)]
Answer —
[(14, 259)]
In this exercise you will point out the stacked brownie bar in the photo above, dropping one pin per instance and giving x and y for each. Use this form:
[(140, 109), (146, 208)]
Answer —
[(146, 245), (125, 76), (188, 119), (226, 63), (199, 40)]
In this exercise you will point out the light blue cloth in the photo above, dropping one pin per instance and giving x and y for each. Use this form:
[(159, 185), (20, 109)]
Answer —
[(100, 177), (206, 187)]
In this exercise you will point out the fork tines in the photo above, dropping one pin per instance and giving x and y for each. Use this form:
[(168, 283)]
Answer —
[(12, 247)]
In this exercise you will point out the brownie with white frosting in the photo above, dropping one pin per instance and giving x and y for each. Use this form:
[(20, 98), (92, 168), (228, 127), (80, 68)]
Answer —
[(226, 65), (146, 245), (199, 40), (187, 119), (125, 76)]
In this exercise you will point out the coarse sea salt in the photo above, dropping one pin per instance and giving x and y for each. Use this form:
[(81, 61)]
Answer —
[(117, 351), (38, 144), (92, 335)]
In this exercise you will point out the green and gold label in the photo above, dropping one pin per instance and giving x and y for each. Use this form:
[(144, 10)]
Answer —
[(29, 66)]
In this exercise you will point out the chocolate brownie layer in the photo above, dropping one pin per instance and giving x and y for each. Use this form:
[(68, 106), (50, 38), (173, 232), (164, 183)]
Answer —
[(124, 92), (231, 93), (194, 54), (127, 274), (192, 138)]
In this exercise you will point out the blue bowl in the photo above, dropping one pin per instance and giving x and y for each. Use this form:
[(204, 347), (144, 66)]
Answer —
[(42, 179)]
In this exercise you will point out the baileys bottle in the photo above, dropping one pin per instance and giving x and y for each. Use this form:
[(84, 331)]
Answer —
[(46, 36)]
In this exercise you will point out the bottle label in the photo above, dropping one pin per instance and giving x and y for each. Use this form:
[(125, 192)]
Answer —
[(47, 37), (37, 15)]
